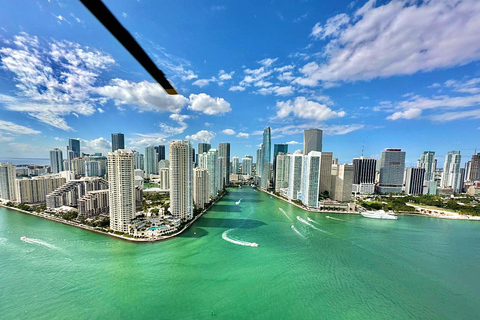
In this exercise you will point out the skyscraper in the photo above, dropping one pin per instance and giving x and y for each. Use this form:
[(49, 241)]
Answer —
[(247, 166), (181, 171), (74, 145), (151, 162), (392, 168), (266, 158), (201, 185), (364, 175), (295, 179), (311, 178), (224, 152), (118, 141), (92, 169), (282, 171), (139, 160), (342, 182), (121, 193), (451, 171), (56, 160), (474, 174), (203, 147), (7, 181), (277, 148), (326, 160), (235, 165), (258, 165), (160, 150), (414, 180), (427, 162), (312, 140)]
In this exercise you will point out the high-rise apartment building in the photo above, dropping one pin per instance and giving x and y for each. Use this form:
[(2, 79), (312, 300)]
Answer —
[(364, 175), (121, 184), (7, 182), (78, 166), (451, 176), (266, 158), (201, 185), (235, 165), (247, 166), (224, 152), (139, 160), (311, 178), (151, 162), (326, 160), (258, 165), (278, 148), (181, 179), (74, 145), (165, 178), (342, 178), (427, 162), (295, 178), (56, 160), (204, 147), (282, 171), (414, 180), (392, 168), (36, 189), (312, 140), (474, 174), (92, 168), (160, 151), (118, 141)]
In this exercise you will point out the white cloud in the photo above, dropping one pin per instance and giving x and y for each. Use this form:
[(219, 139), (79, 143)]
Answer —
[(222, 75), (96, 145), (202, 136), (237, 88), (293, 142), (471, 86), (100, 110), (203, 82), (407, 114), (278, 91), (305, 109), (331, 28), (267, 62), (43, 92), (124, 14), (243, 135), (228, 131), (146, 96), (400, 37), (457, 115), (208, 105), (14, 128), (330, 130)]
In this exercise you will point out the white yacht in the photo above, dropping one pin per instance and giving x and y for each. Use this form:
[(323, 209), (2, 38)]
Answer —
[(379, 214)]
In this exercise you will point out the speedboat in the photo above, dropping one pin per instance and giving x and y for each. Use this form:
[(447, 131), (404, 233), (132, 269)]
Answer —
[(379, 214)]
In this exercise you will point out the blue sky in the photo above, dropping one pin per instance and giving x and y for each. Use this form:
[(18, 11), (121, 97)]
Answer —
[(399, 74)]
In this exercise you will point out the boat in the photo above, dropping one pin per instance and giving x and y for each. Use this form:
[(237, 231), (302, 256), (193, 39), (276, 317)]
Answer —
[(238, 202), (379, 214)]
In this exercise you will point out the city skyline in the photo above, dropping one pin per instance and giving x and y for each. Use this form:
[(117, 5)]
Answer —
[(289, 88)]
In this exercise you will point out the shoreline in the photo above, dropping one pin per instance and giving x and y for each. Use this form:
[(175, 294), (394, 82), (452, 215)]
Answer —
[(307, 209), (111, 234)]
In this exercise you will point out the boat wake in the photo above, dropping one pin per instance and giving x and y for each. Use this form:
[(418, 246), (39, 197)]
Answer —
[(239, 242), (310, 225), (297, 232), (283, 211), (40, 242), (328, 217), (238, 202), (311, 220)]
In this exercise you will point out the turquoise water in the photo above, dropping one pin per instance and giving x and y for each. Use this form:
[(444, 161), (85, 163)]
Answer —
[(352, 268)]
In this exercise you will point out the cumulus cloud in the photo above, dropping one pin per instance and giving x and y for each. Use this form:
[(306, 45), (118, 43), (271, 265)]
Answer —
[(222, 75), (407, 114), (146, 96), (399, 37), (203, 82), (243, 135), (96, 145), (276, 90), (305, 109), (202, 136), (293, 142), (267, 62), (208, 105), (228, 131)]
